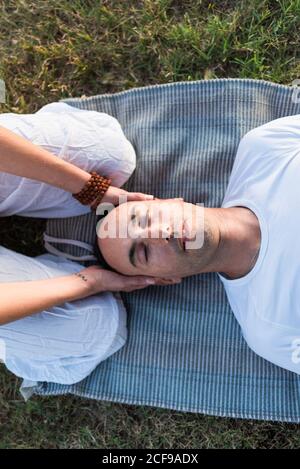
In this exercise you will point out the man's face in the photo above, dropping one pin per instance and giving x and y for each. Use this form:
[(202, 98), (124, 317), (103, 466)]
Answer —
[(156, 238)]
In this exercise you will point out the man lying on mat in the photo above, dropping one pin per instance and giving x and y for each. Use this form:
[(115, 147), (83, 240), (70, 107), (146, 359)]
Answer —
[(251, 241)]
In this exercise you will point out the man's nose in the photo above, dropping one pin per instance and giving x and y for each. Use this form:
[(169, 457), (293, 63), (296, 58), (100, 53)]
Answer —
[(155, 231)]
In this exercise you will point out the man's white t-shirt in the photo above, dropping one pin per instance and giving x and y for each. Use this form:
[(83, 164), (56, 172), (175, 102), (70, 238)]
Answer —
[(266, 302)]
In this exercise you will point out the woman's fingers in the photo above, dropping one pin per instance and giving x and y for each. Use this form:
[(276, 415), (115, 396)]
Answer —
[(134, 282), (174, 199), (116, 196), (165, 281), (141, 196), (143, 285), (138, 196), (105, 280)]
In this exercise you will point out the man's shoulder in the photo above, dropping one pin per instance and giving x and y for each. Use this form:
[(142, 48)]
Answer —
[(277, 135)]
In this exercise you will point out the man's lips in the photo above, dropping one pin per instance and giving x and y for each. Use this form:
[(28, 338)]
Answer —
[(186, 235), (141, 253)]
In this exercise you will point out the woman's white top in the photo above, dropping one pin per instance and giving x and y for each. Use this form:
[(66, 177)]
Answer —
[(266, 302)]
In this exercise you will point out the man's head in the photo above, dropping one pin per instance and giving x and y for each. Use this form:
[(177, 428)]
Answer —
[(159, 238)]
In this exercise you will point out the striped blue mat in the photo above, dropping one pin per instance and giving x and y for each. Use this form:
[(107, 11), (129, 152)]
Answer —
[(185, 350)]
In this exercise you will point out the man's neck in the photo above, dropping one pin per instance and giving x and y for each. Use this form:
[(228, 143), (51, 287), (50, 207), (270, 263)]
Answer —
[(238, 239)]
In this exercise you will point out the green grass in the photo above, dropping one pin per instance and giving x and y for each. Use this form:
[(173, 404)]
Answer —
[(50, 50)]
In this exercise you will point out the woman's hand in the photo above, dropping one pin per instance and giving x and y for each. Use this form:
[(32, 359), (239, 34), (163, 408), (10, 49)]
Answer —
[(101, 280), (113, 193)]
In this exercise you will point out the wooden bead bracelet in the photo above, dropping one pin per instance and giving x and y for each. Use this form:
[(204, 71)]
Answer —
[(93, 190)]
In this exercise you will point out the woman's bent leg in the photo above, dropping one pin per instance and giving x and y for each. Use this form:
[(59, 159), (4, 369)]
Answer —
[(65, 343), (91, 140)]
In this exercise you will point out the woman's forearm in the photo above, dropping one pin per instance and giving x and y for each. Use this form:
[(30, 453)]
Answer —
[(20, 299), (21, 157)]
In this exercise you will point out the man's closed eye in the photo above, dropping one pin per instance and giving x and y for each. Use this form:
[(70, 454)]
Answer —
[(138, 253)]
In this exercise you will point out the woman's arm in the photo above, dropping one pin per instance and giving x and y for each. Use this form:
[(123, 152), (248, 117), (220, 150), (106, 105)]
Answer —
[(20, 157), (20, 299)]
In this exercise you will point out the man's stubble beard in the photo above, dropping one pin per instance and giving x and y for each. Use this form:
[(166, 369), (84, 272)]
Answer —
[(198, 260)]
